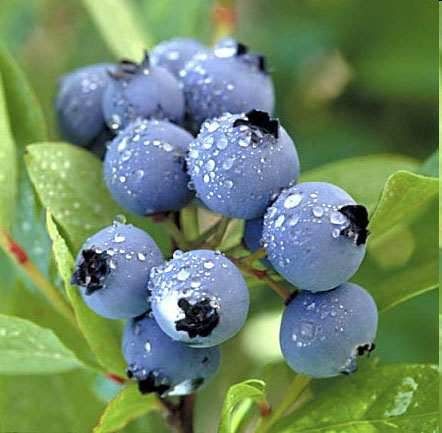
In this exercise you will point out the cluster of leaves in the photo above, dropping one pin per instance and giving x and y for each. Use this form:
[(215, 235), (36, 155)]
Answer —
[(52, 353)]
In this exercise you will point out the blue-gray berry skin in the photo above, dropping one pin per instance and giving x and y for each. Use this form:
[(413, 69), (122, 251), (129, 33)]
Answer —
[(163, 365), (174, 53), (78, 104), (141, 90), (144, 167), (230, 79), (315, 235), (199, 298), (112, 271), (253, 234), (322, 334), (240, 162)]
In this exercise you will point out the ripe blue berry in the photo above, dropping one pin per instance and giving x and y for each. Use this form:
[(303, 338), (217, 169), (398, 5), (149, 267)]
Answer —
[(174, 53), (163, 365), (144, 167), (239, 162), (253, 234), (199, 298), (315, 235), (112, 271), (143, 90), (322, 334), (78, 104), (228, 80)]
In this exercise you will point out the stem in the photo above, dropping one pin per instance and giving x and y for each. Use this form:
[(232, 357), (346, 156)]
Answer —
[(189, 222), (179, 416), (203, 237), (234, 250), (280, 290), (20, 257), (220, 232), (175, 233), (186, 413), (224, 18), (257, 255), (292, 394)]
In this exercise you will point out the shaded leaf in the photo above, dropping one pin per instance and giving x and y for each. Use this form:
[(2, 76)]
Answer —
[(128, 405), (103, 335), (26, 348)]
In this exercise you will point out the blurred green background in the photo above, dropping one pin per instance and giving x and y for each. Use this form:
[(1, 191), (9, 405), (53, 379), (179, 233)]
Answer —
[(352, 78)]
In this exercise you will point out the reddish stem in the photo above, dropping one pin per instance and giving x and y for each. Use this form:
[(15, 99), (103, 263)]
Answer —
[(115, 378)]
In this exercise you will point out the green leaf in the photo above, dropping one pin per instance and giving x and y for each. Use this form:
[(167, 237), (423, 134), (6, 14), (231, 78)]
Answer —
[(38, 310), (128, 405), (364, 177), (69, 183), (119, 28), (103, 335), (50, 404), (404, 197), (238, 394), (26, 348), (393, 398), (27, 125), (25, 114), (8, 164), (402, 254)]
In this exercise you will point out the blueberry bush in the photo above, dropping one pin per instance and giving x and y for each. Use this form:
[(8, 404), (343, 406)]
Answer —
[(196, 237)]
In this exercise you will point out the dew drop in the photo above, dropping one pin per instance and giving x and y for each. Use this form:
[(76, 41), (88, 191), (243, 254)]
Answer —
[(228, 163), (222, 143), (279, 221), (119, 238), (317, 211), (209, 264), (210, 165), (336, 233), (337, 217), (292, 200), (183, 275)]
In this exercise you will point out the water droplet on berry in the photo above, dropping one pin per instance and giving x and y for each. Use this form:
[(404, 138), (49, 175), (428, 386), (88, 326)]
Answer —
[(292, 200), (317, 211)]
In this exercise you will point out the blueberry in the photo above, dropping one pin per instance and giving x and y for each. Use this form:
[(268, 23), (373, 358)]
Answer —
[(199, 297), (144, 167), (163, 365), (315, 235), (230, 79), (174, 53), (322, 334), (141, 90), (78, 105), (239, 162), (253, 234), (112, 271)]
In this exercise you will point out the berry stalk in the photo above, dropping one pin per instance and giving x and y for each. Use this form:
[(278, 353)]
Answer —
[(19, 256), (294, 391)]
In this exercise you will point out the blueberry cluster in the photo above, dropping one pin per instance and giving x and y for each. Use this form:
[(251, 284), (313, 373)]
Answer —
[(194, 122)]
